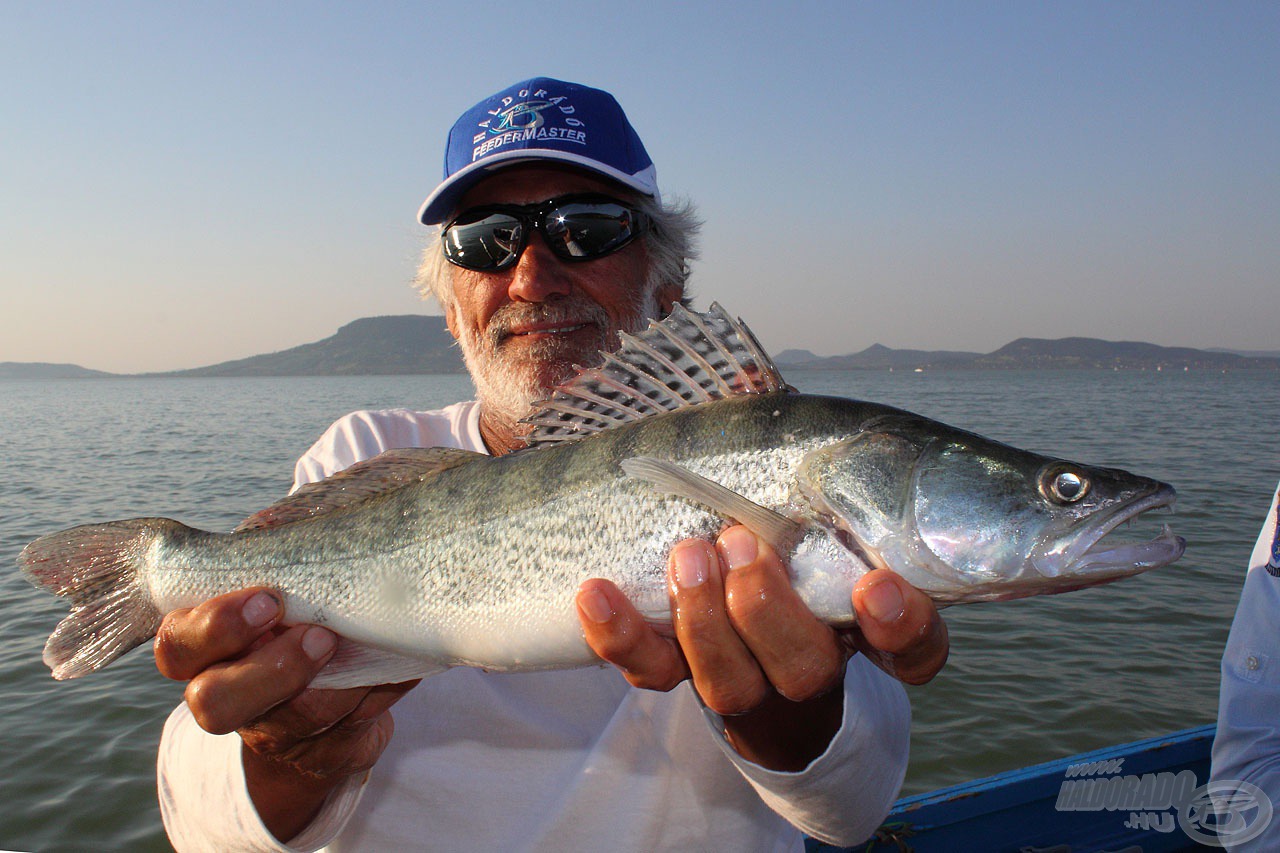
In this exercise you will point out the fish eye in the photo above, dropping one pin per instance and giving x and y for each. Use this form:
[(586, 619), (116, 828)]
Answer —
[(1064, 486)]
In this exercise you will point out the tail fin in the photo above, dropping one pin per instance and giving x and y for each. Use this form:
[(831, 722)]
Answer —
[(99, 567)]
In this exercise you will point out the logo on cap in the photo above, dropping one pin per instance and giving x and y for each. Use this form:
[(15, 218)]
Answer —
[(526, 115), (523, 118)]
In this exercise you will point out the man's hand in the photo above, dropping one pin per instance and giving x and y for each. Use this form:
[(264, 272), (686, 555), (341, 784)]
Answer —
[(755, 653), (245, 674)]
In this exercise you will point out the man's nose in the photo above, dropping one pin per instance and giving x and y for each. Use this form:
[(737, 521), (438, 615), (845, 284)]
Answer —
[(538, 274)]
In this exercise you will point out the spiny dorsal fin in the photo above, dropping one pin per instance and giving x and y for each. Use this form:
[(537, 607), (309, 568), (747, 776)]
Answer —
[(686, 359), (388, 471)]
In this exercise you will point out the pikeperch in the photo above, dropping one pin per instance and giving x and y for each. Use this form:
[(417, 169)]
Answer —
[(422, 559)]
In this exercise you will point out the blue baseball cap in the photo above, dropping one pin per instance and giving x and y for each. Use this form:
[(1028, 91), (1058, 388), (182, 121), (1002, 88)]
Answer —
[(540, 119)]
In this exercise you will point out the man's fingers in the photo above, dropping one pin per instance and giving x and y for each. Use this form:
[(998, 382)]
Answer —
[(618, 634), (901, 627), (347, 747), (801, 656), (327, 732), (190, 641), (380, 699), (724, 672), (227, 696), (309, 713)]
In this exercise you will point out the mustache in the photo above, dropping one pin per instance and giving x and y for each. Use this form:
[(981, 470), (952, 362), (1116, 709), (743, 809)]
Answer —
[(566, 312)]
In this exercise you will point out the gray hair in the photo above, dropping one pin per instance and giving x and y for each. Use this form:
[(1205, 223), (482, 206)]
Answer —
[(670, 242)]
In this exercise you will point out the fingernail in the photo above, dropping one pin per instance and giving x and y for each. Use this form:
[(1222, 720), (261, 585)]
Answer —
[(690, 564), (883, 601), (595, 605), (260, 609), (318, 642), (738, 544)]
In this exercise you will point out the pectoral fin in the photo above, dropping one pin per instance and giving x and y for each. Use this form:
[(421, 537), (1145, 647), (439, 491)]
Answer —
[(357, 665), (670, 478)]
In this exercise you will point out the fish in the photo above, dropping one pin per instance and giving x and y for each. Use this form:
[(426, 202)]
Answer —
[(422, 559)]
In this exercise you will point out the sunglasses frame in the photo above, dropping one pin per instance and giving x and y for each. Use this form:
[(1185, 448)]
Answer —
[(533, 217)]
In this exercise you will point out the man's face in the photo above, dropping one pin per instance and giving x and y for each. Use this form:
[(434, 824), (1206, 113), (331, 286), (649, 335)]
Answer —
[(522, 329)]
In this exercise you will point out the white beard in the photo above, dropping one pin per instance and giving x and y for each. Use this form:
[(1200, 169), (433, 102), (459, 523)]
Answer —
[(508, 385)]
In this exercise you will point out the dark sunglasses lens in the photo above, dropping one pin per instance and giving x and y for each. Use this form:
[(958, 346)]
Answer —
[(487, 243), (588, 229)]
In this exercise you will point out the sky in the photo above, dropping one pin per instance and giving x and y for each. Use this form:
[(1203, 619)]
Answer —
[(187, 183)]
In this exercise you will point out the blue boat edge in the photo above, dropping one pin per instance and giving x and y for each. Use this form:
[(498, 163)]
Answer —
[(1018, 809)]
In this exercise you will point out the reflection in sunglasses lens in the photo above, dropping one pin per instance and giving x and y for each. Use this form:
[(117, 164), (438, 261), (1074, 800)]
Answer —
[(574, 229)]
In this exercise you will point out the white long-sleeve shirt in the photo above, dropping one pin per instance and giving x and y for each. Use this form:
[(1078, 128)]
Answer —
[(1247, 745), (576, 759)]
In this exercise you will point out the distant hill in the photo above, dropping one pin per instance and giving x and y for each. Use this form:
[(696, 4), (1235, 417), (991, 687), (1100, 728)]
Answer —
[(1094, 353), (795, 356), (879, 357), (41, 370), (1025, 353), (373, 346), (417, 343), (1250, 353)]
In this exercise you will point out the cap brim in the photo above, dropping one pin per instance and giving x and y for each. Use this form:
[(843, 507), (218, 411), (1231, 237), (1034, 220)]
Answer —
[(445, 197)]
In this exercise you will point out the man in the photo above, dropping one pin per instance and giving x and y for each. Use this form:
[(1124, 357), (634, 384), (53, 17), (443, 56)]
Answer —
[(775, 723), (1246, 750)]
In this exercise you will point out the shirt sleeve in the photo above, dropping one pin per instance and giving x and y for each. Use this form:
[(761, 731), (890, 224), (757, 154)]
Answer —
[(1247, 745), (205, 804), (844, 794)]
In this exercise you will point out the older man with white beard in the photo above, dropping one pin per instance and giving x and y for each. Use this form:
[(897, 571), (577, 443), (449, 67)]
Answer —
[(554, 239)]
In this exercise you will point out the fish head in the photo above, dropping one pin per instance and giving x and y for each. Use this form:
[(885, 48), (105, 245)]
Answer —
[(969, 519)]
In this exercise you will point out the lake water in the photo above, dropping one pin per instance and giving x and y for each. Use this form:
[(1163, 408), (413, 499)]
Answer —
[(1028, 681)]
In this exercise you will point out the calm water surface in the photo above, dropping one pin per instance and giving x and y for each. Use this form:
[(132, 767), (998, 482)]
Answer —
[(1027, 681)]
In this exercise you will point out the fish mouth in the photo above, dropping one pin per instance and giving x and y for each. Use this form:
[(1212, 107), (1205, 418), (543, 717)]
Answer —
[(1091, 554)]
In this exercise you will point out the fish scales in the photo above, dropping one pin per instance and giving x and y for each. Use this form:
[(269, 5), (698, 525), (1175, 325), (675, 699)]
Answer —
[(465, 538)]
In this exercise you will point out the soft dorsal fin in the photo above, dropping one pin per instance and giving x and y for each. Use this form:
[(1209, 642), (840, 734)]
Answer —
[(388, 471), (686, 359)]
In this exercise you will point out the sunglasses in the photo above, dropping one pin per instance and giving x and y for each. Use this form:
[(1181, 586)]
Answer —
[(576, 228)]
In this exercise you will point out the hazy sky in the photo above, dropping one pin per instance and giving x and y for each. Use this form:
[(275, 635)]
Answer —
[(188, 183)]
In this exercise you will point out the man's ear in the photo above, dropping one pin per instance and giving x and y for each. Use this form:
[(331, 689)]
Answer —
[(451, 318), (668, 296)]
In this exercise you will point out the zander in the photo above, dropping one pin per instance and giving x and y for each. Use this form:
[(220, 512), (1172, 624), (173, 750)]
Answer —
[(422, 559)]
